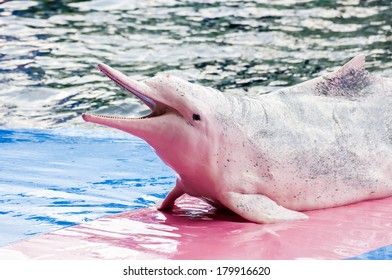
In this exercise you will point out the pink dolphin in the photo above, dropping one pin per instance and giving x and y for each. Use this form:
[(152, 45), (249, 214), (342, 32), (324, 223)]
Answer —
[(323, 143)]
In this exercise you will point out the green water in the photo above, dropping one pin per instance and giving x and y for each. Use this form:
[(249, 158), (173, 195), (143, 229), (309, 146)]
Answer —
[(49, 49)]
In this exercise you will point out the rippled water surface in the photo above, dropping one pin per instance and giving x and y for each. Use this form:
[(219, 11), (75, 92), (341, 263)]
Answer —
[(49, 49), (49, 181), (48, 77)]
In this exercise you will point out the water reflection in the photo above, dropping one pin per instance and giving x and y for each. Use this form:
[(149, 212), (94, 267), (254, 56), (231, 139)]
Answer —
[(49, 49)]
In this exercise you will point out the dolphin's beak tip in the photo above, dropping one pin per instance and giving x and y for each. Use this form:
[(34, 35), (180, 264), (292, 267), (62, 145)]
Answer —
[(103, 67), (85, 117), (100, 66)]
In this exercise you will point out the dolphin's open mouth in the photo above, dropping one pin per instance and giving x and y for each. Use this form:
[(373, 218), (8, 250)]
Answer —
[(157, 108)]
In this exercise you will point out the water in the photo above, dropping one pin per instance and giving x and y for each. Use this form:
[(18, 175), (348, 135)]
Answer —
[(49, 49), (48, 77)]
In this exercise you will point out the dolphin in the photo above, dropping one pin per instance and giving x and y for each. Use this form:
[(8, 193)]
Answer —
[(322, 143)]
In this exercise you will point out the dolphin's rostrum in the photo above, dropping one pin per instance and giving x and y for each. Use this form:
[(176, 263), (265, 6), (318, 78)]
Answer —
[(323, 143)]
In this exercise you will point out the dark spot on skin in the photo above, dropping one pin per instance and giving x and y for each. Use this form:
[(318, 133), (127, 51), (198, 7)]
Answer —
[(350, 84), (196, 117)]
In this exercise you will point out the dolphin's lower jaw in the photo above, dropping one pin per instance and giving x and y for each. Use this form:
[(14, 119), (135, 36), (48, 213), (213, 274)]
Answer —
[(150, 127), (95, 118)]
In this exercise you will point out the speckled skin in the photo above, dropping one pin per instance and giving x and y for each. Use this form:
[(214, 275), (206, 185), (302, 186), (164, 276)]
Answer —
[(323, 143)]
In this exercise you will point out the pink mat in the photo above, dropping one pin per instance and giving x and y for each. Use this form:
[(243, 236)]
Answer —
[(194, 230)]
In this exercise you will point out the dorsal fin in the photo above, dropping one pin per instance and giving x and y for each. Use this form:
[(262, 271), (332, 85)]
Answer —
[(350, 80), (357, 63)]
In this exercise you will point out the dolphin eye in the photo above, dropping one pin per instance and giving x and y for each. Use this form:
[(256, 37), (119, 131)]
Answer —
[(196, 117)]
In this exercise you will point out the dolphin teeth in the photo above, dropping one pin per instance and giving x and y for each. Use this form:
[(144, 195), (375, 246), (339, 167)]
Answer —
[(118, 117), (155, 113)]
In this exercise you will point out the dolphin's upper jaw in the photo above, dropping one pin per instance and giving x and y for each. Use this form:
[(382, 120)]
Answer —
[(157, 108)]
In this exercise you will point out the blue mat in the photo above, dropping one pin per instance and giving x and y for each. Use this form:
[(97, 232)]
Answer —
[(50, 180), (383, 253)]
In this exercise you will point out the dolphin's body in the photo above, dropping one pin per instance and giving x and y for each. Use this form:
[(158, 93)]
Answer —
[(323, 143)]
